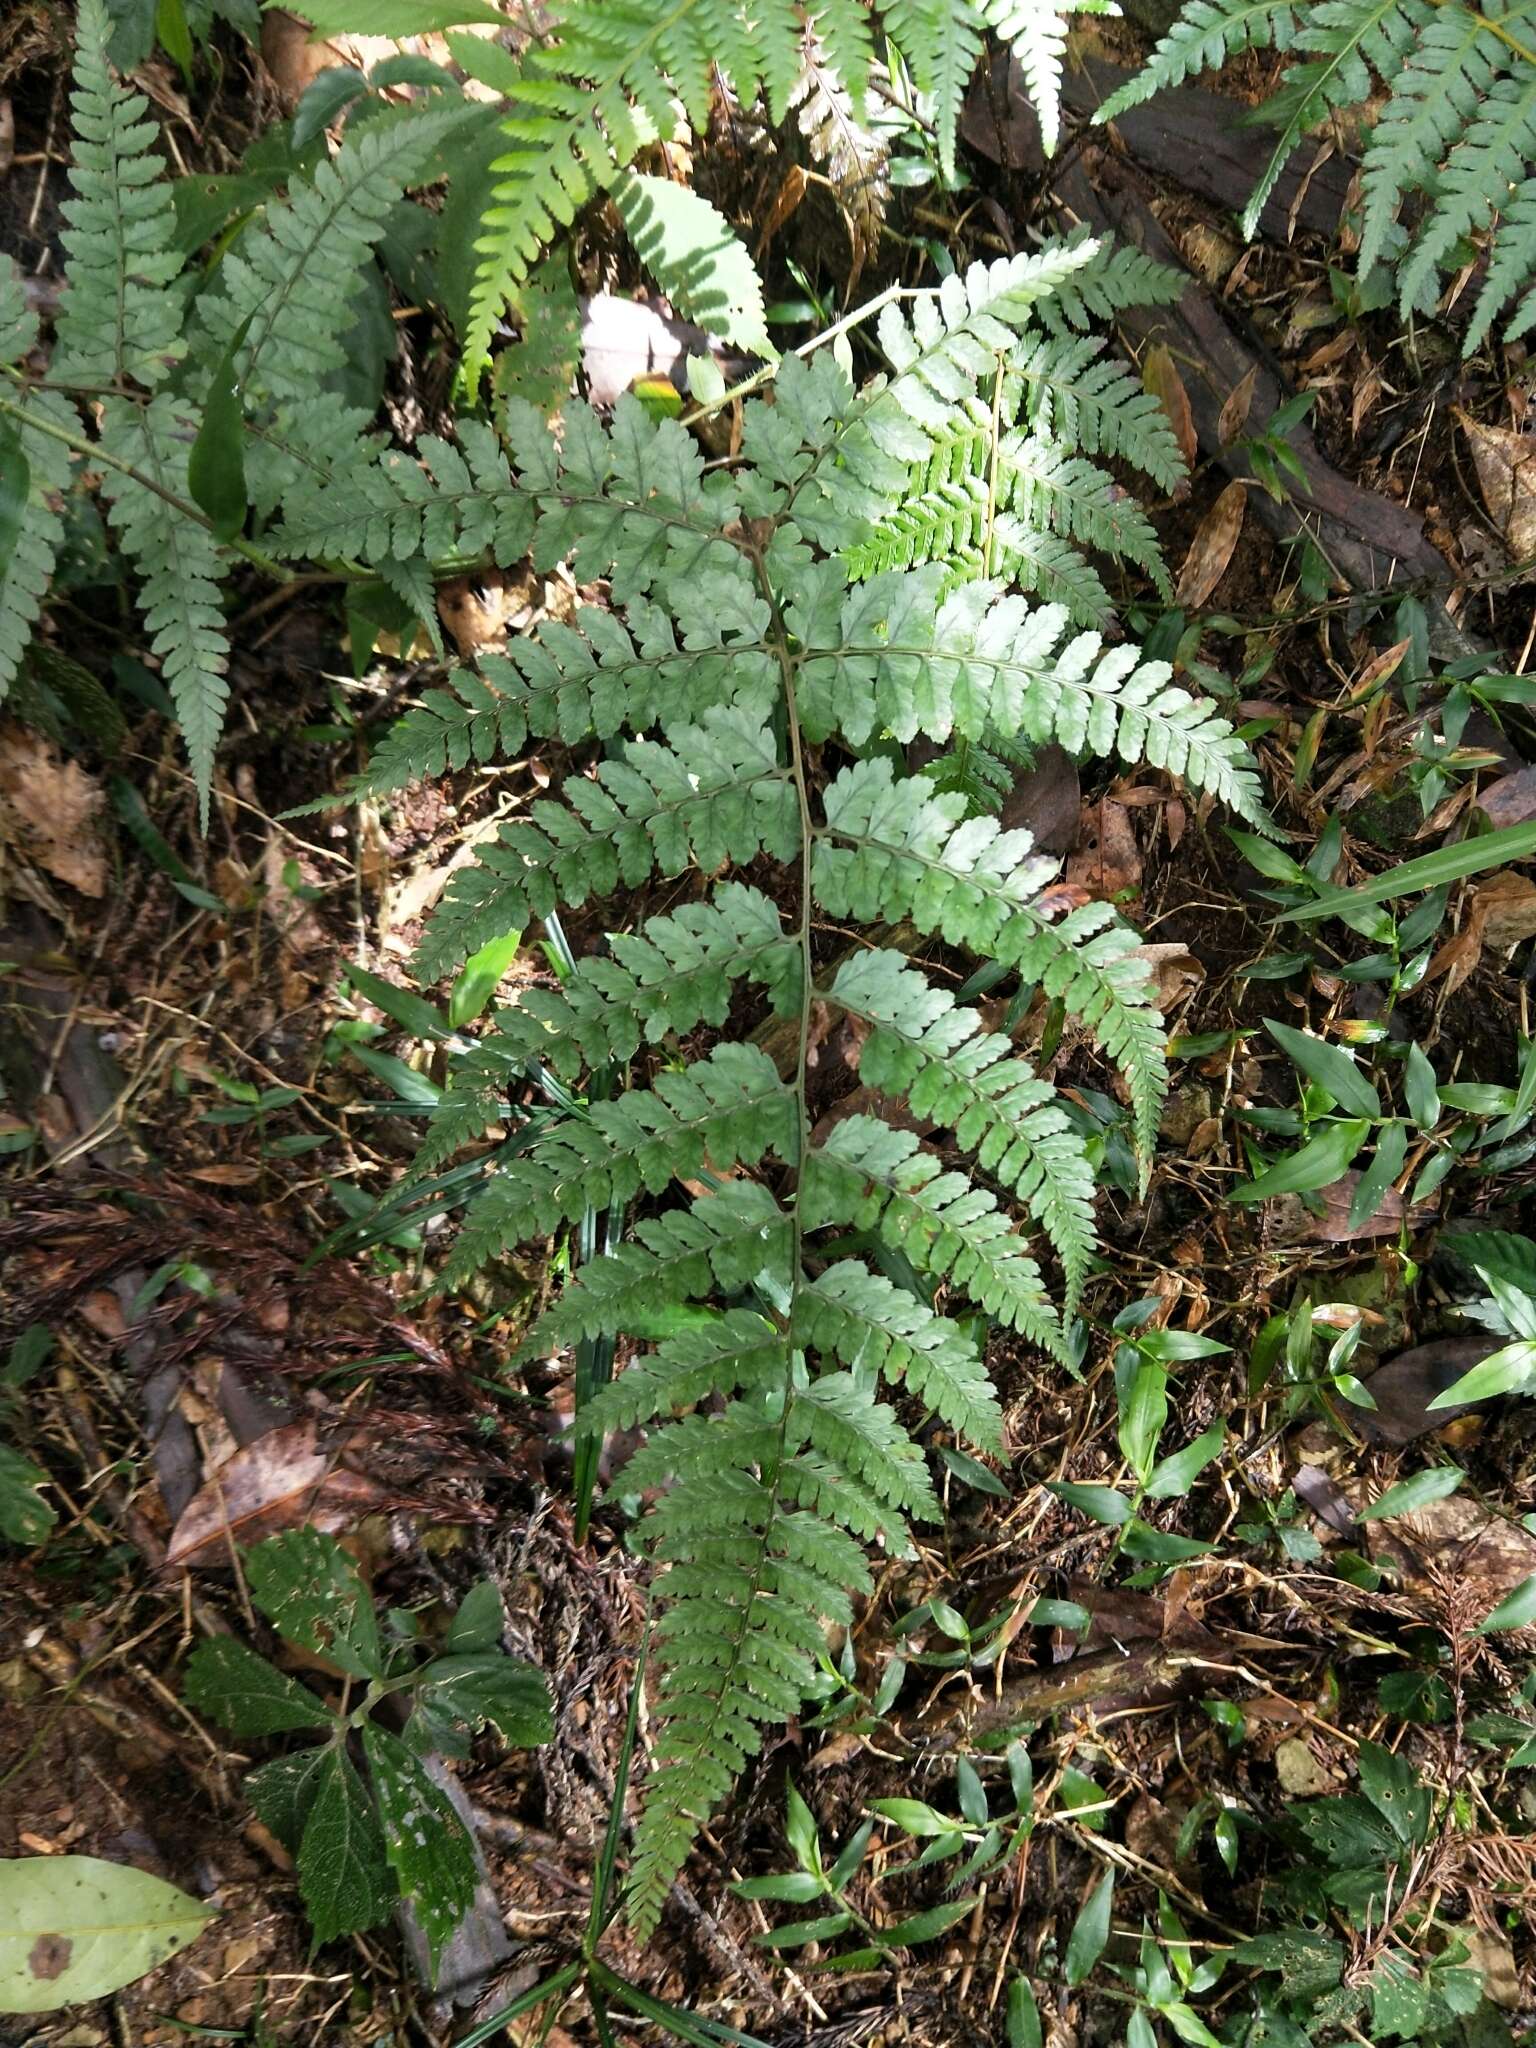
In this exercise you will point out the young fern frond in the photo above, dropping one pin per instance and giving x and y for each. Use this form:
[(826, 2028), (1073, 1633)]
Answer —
[(1456, 129), (27, 565), (118, 318)]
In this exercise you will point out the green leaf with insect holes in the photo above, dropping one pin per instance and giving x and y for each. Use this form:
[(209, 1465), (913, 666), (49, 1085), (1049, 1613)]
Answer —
[(427, 1845), (488, 1687), (312, 1593), (245, 1694)]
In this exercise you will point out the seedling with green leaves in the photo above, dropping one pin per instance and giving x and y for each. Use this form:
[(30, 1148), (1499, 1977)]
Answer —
[(1142, 1360), (365, 1837)]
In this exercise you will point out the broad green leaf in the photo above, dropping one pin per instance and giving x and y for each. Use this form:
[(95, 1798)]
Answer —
[(1174, 1475), (825, 1927), (971, 1793), (1023, 2015), (312, 1593), (1101, 1503), (800, 1829), (216, 465), (25, 1517), (1390, 1784), (1143, 1411), (428, 1846), (924, 1926), (1445, 864), (1330, 1066), (73, 1928), (401, 1005), (284, 1790), (1506, 1265), (323, 100), (488, 1687), (1370, 1189), (1511, 1370), (15, 488), (1437, 1482), (343, 1874), (1317, 1164), (1090, 1931), (691, 251), (1420, 1090), (1515, 1610), (850, 1856), (245, 1694), (478, 1624), (480, 977), (913, 1816), (786, 1888)]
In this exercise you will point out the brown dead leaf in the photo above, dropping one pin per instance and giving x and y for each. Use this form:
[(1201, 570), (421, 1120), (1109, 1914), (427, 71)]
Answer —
[(283, 1479), (51, 811), (1404, 1387), (1160, 376), (1501, 912), (1506, 474), (1455, 1540), (1332, 1227), (1108, 860), (1212, 548), (1234, 412), (1175, 974), (481, 610), (1510, 800)]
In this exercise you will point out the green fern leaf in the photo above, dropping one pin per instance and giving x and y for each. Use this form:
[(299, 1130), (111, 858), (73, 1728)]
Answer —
[(891, 850), (958, 1075), (688, 247), (178, 563), (717, 792), (863, 1319), (1206, 35), (118, 317), (873, 1177)]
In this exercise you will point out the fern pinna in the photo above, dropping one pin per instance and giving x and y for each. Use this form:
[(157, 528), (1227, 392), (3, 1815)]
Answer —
[(751, 699), (1456, 136)]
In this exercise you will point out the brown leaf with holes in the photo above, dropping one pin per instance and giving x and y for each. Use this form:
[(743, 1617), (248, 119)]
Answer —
[(1160, 376), (1211, 550), (1108, 860), (1501, 912), (1234, 413), (1511, 800), (1506, 475), (284, 1479)]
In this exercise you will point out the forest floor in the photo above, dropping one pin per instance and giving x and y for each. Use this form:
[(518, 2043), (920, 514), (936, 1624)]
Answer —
[(233, 1349)]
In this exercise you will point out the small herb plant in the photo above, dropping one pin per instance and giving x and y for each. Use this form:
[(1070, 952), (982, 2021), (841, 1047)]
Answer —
[(361, 1840)]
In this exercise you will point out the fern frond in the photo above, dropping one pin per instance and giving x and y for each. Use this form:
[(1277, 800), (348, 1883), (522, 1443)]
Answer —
[(964, 1078), (941, 42), (177, 560), (118, 316), (675, 973), (1475, 183), (464, 720), (445, 502), (892, 850), (727, 1109), (873, 1177), (1072, 394), (827, 102), (715, 793), (721, 1241), (1434, 99), (689, 247), (737, 1351), (295, 276), (25, 571), (585, 103), (869, 1323), (1206, 35)]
